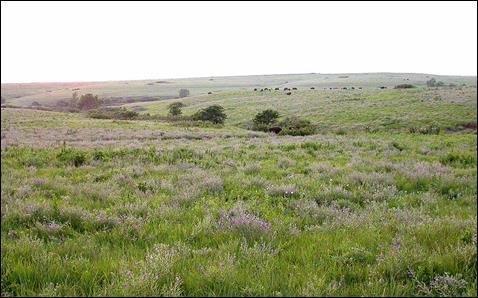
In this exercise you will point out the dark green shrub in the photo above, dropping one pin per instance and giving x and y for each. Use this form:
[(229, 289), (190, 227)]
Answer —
[(214, 114), (296, 127), (175, 108), (266, 117), (113, 113), (72, 157), (404, 86)]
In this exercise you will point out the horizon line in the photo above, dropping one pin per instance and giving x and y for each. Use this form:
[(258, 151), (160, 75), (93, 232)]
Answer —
[(225, 76)]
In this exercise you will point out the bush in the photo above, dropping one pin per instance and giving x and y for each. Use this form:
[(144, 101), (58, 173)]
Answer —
[(175, 108), (296, 127), (404, 86), (89, 102), (183, 93), (113, 113), (266, 117), (72, 157), (431, 82), (214, 114)]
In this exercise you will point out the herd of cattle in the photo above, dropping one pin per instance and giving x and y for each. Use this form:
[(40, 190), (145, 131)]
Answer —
[(312, 88)]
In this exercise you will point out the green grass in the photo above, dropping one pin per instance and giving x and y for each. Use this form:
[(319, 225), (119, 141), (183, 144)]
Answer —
[(364, 208), (350, 110), (50, 93)]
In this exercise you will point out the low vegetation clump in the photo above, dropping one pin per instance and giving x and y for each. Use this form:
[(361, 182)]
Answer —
[(296, 126), (404, 86), (113, 113), (214, 114), (175, 109), (265, 119), (183, 93)]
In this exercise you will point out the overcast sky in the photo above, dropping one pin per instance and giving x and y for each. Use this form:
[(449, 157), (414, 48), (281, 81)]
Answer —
[(90, 41)]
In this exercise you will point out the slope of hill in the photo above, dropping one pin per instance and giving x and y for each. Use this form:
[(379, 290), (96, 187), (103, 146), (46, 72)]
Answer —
[(50, 93)]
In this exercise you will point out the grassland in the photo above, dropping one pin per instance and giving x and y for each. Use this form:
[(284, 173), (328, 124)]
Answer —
[(364, 207), (48, 94)]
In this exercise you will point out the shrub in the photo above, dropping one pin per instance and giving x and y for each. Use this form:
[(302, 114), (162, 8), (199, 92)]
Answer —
[(183, 93), (404, 86), (266, 117), (113, 113), (88, 102), (175, 108), (71, 156), (431, 82), (296, 127), (214, 114)]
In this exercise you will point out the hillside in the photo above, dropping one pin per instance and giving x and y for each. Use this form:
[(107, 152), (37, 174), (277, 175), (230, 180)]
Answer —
[(50, 93), (380, 201)]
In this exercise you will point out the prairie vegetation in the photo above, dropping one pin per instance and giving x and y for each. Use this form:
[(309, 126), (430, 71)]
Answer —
[(380, 198)]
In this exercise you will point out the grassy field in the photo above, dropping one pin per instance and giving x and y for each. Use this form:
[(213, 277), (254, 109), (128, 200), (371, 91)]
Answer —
[(50, 93), (364, 207)]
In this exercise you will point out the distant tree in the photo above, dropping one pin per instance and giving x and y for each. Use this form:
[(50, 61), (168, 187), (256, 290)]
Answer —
[(175, 108), (266, 117), (183, 93), (440, 84), (74, 99), (431, 82), (214, 114), (88, 102)]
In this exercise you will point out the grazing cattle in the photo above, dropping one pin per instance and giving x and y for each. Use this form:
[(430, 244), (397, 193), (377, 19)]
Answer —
[(255, 89), (285, 89), (360, 87), (383, 87), (262, 90), (276, 89), (209, 92), (345, 88), (352, 88), (330, 88), (312, 88), (275, 130), (294, 88), (289, 93)]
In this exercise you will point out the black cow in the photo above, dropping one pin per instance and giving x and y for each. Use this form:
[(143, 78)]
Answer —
[(275, 129), (289, 93), (294, 88), (383, 87), (255, 89), (285, 89), (276, 89), (312, 88), (209, 93)]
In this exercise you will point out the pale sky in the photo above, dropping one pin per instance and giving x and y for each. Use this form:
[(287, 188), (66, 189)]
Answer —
[(97, 41)]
